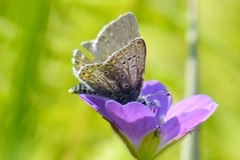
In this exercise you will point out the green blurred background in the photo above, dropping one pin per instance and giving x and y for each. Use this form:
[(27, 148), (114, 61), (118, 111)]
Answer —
[(40, 120)]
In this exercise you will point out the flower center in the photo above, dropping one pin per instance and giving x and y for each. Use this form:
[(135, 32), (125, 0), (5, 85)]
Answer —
[(153, 102), (153, 105)]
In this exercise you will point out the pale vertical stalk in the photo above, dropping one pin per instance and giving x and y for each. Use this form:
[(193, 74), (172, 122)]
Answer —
[(190, 148)]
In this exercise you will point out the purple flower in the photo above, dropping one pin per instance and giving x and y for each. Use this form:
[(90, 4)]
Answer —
[(149, 129)]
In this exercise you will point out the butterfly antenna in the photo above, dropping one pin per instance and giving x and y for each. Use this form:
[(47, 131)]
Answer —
[(144, 100), (160, 93)]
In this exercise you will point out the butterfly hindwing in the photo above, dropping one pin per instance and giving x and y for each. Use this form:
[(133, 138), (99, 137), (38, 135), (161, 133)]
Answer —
[(79, 60), (131, 60)]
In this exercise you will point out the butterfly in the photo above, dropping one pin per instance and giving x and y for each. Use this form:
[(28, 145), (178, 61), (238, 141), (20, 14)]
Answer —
[(117, 69)]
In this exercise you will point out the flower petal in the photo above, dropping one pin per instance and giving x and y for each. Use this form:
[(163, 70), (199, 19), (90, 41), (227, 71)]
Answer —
[(152, 86), (98, 103), (169, 130), (134, 119), (190, 104), (187, 122), (189, 113)]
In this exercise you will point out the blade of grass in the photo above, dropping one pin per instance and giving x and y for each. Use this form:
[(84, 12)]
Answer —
[(20, 115)]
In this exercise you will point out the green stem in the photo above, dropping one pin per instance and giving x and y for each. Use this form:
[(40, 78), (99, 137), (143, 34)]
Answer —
[(190, 147)]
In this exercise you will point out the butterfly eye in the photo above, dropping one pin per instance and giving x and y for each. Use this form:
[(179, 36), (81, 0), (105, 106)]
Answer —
[(126, 86)]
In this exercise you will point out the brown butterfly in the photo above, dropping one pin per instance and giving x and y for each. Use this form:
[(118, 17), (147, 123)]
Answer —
[(117, 70)]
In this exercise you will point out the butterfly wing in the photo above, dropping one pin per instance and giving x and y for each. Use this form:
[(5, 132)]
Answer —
[(117, 69), (113, 37), (102, 78), (120, 77), (79, 60), (131, 60)]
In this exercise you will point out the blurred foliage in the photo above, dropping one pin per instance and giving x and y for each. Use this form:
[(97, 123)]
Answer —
[(40, 120)]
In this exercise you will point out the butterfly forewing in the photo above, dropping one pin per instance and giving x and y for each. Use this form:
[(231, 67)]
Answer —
[(113, 37)]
